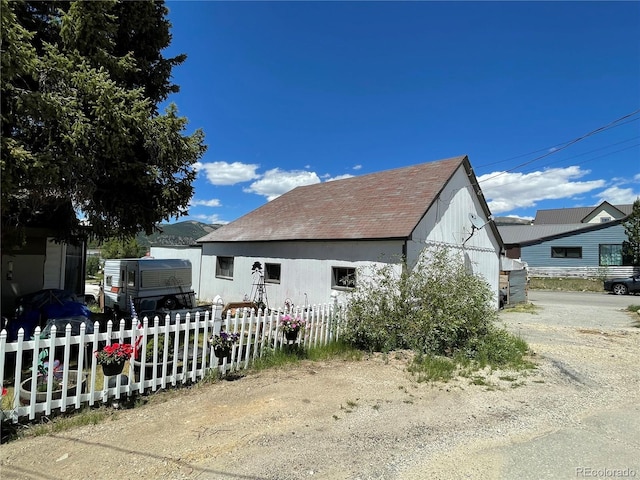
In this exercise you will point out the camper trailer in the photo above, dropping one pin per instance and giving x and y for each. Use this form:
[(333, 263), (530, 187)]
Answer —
[(154, 285)]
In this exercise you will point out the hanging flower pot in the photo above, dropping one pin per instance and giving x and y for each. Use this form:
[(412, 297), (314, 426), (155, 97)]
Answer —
[(222, 344), (112, 357), (115, 368), (222, 353), (291, 335), (291, 326)]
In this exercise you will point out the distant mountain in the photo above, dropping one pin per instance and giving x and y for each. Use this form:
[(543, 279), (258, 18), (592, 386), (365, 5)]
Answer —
[(181, 233), (511, 221)]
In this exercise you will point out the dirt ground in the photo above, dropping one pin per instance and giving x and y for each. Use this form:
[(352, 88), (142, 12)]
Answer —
[(371, 419)]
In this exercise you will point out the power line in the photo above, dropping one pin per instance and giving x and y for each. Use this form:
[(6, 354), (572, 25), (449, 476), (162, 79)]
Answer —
[(546, 149), (588, 153), (562, 146), (579, 163)]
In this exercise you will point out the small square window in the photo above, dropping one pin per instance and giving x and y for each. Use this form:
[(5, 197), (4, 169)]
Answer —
[(224, 267), (343, 277), (272, 273), (131, 278), (109, 280)]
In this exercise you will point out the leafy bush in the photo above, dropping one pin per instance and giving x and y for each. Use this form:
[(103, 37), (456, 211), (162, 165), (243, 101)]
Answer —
[(437, 308)]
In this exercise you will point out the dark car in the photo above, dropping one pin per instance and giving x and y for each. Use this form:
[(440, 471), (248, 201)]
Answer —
[(623, 286)]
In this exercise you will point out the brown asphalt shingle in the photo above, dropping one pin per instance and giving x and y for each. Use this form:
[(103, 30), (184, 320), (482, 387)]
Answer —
[(386, 204)]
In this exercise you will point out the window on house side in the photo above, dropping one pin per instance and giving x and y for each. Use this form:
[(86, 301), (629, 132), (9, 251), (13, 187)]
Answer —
[(109, 280), (272, 273), (605, 219), (614, 255), (566, 252), (224, 267), (343, 277)]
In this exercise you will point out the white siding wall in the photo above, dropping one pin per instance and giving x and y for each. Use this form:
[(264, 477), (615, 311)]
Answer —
[(193, 253), (447, 222), (306, 268), (607, 213), (54, 265)]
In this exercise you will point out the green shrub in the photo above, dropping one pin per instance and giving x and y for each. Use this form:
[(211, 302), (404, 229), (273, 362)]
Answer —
[(438, 308)]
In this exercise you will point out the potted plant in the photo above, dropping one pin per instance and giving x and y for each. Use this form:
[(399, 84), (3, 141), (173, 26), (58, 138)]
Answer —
[(112, 357), (223, 343), (148, 356), (41, 381), (291, 326)]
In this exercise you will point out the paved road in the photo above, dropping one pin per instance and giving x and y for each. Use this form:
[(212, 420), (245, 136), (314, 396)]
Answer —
[(594, 341), (584, 309)]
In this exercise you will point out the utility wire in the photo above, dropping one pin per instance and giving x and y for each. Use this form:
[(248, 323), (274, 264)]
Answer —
[(554, 162), (565, 145), (519, 180), (546, 149)]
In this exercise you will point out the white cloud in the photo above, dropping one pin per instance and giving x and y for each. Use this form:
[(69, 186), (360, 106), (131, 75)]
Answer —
[(357, 167), (520, 217), (214, 202), (618, 196), (339, 177), (506, 191), (621, 190), (224, 173), (209, 219), (275, 182)]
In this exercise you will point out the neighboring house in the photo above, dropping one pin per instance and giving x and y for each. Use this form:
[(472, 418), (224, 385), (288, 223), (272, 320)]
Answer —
[(310, 242), (585, 241), (41, 263), (192, 253)]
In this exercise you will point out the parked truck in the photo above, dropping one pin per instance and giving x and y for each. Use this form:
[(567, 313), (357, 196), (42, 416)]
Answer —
[(154, 286)]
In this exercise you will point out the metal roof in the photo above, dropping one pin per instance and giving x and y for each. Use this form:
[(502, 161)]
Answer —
[(517, 234), (573, 215)]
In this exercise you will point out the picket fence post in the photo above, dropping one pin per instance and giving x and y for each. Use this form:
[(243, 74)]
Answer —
[(193, 357)]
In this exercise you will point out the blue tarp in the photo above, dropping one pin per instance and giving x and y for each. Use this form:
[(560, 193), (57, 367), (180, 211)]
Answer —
[(45, 308)]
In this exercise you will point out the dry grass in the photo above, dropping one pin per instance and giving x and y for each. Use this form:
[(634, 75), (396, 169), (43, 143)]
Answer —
[(567, 284)]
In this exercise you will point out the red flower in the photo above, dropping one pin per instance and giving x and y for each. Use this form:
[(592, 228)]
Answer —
[(114, 353), (4, 391)]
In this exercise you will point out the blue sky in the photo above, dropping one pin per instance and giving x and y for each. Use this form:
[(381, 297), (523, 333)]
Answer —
[(293, 93)]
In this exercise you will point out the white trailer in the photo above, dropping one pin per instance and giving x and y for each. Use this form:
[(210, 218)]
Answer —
[(154, 285)]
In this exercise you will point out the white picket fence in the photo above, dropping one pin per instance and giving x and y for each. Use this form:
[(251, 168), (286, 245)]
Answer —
[(192, 358)]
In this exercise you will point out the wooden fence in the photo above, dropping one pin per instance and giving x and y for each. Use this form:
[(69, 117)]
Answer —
[(174, 351)]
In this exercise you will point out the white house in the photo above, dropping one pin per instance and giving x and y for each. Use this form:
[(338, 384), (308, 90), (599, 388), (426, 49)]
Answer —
[(309, 242)]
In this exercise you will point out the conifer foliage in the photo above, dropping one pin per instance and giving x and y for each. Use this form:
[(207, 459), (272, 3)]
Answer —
[(82, 135), (631, 247)]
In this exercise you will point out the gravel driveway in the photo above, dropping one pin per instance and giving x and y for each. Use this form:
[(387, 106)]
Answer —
[(577, 415)]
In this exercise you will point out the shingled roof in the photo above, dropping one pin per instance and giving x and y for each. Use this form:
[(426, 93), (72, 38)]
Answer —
[(381, 205)]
